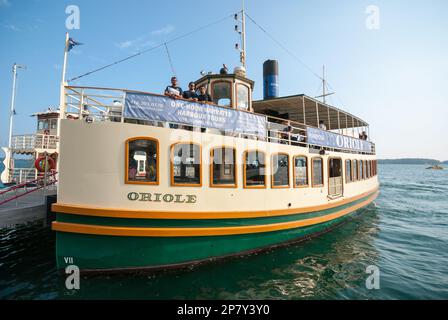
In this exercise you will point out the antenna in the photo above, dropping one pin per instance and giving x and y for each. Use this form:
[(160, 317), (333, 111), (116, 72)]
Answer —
[(242, 34), (324, 87)]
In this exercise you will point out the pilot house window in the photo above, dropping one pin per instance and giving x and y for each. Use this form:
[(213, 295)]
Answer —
[(254, 169), (242, 97), (223, 167), (142, 161), (222, 93), (186, 164), (280, 170)]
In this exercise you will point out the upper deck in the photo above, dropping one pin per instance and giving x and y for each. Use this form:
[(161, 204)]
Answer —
[(290, 120)]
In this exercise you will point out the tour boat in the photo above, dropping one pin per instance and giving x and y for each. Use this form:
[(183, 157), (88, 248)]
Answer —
[(151, 182)]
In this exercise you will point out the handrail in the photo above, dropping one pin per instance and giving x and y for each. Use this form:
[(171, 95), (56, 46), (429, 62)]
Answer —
[(78, 97), (46, 183)]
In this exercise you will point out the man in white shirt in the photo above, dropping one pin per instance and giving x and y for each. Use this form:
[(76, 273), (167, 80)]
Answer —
[(322, 125)]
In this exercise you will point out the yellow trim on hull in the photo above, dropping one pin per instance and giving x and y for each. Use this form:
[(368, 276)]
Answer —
[(140, 214), (197, 232)]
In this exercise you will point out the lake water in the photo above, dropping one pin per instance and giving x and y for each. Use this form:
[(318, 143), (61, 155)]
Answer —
[(405, 234)]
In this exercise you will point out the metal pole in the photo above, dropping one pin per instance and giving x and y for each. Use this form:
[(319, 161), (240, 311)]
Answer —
[(324, 94), (243, 36), (11, 112), (45, 172)]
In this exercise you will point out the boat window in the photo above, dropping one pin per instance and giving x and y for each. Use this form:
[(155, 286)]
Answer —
[(42, 125), (254, 169), (348, 171), (317, 172), (280, 170), (369, 168), (355, 170), (53, 124), (242, 97), (223, 167), (300, 171), (185, 164), (364, 175), (361, 170), (142, 161), (222, 93)]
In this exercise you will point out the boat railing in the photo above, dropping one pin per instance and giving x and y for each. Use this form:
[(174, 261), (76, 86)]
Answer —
[(30, 142), (107, 104)]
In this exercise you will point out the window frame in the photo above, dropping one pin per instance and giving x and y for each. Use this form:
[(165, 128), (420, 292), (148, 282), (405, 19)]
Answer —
[(361, 169), (126, 162), (249, 104), (273, 186), (176, 184), (355, 167), (231, 93), (245, 186), (312, 173), (351, 171), (307, 185), (235, 165)]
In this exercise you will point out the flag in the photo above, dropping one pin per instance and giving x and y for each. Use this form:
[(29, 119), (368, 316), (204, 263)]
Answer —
[(72, 43)]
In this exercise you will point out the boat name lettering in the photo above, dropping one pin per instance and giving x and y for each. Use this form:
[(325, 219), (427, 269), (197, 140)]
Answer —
[(159, 197)]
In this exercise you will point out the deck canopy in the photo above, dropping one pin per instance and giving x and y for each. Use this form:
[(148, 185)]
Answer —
[(308, 111)]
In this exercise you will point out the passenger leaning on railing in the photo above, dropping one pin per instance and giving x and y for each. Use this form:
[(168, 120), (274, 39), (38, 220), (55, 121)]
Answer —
[(191, 94), (203, 95), (173, 90)]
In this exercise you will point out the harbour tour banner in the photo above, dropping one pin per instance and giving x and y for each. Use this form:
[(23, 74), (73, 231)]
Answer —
[(160, 108), (323, 138)]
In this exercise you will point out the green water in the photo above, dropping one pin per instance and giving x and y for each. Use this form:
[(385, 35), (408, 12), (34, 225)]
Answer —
[(404, 234)]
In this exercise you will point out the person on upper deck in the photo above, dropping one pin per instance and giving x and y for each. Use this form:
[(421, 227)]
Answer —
[(363, 136), (203, 95), (191, 94), (173, 91), (322, 125)]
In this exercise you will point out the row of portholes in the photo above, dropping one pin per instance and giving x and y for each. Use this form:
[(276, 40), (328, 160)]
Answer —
[(142, 167)]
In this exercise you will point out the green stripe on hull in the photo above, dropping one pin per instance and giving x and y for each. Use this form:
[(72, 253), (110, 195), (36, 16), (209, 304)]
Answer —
[(117, 252), (126, 222)]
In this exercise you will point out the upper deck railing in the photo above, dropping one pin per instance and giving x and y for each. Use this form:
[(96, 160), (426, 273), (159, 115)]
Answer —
[(31, 142), (108, 104)]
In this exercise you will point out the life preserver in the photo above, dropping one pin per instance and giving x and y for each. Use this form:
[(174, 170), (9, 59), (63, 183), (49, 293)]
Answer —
[(40, 164)]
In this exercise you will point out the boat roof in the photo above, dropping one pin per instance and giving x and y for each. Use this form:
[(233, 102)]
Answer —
[(307, 110)]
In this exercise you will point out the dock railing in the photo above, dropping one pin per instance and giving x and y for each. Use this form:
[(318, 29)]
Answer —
[(22, 189), (107, 104)]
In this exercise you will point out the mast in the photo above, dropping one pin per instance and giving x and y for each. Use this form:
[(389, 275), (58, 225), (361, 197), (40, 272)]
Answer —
[(13, 100), (323, 85), (243, 36)]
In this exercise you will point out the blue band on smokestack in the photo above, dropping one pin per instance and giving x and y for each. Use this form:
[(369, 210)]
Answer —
[(270, 79)]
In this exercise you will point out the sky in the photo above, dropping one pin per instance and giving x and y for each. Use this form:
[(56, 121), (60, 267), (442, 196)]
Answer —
[(388, 67)]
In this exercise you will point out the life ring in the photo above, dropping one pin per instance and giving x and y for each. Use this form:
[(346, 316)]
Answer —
[(40, 164)]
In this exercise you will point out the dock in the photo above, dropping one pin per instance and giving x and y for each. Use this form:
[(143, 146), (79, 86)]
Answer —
[(28, 208)]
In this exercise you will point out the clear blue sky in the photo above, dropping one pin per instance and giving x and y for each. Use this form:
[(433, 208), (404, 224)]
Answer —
[(394, 77)]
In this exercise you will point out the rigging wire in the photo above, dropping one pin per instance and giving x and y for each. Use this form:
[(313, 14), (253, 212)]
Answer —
[(152, 48), (295, 57), (284, 48), (169, 59)]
